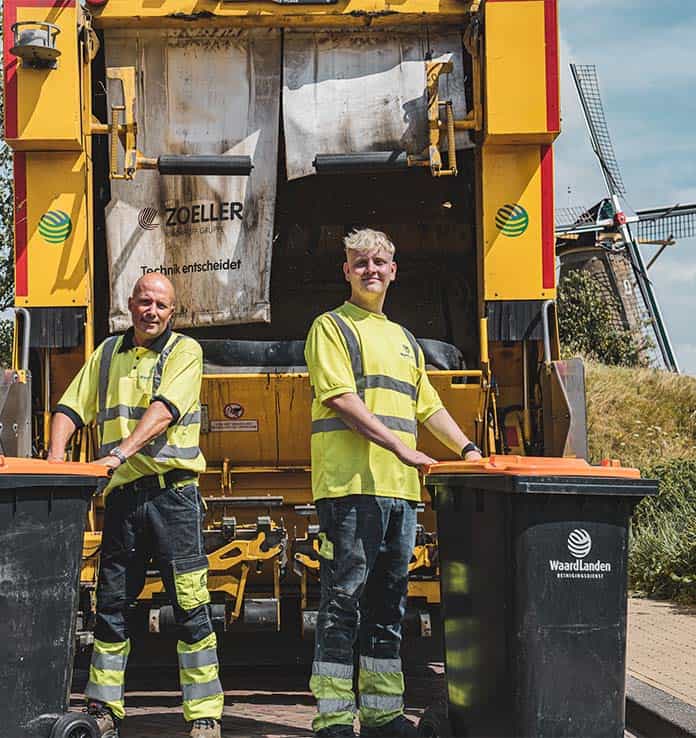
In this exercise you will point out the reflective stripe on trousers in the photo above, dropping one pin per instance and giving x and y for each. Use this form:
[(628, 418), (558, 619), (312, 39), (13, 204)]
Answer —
[(332, 687), (107, 675), (381, 685), (200, 683)]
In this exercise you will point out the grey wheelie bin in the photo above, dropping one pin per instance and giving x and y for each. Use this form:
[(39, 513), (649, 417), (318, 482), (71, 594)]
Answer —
[(43, 509), (533, 556)]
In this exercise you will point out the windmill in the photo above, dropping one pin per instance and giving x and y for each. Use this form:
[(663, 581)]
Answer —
[(605, 240)]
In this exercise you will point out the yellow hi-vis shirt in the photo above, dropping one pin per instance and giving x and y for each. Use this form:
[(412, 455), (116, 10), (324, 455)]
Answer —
[(115, 392), (353, 350)]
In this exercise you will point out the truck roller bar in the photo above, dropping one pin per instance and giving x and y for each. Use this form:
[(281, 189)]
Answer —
[(372, 162), (230, 166)]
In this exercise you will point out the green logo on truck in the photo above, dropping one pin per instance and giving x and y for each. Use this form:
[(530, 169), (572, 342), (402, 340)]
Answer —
[(55, 226), (512, 220)]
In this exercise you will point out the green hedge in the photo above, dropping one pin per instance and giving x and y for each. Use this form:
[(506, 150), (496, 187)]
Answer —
[(662, 554)]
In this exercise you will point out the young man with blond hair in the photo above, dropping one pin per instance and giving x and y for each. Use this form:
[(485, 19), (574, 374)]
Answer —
[(370, 391)]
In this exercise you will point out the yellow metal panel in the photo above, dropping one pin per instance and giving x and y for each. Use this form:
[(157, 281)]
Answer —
[(275, 422), (294, 402), (512, 223), (90, 558), (462, 401), (48, 100), (124, 13), (425, 589), (242, 423), (56, 227), (515, 71)]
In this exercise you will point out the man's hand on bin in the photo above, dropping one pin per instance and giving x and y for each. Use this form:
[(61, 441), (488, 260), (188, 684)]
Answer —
[(414, 457), (110, 462)]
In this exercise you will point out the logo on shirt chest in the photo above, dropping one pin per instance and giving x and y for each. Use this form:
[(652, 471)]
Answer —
[(406, 352)]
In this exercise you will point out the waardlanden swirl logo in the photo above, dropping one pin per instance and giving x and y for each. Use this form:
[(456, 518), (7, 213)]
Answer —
[(512, 220), (579, 543), (55, 226)]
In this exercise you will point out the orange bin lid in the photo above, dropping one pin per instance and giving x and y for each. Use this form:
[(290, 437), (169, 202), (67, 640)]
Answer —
[(19, 466), (534, 466)]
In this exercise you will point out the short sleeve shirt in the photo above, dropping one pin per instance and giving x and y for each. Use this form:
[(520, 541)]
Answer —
[(130, 391), (397, 391)]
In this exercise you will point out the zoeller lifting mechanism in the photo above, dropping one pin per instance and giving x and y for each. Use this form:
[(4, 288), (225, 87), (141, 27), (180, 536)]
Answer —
[(123, 128), (441, 121)]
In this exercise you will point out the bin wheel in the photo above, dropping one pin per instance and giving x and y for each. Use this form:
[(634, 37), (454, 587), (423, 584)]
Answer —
[(75, 725), (435, 723)]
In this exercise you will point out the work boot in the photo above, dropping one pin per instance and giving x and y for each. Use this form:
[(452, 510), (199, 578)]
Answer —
[(205, 728), (106, 721), (336, 730), (399, 727)]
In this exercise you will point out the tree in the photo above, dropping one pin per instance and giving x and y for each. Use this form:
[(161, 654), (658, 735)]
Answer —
[(587, 325), (6, 237)]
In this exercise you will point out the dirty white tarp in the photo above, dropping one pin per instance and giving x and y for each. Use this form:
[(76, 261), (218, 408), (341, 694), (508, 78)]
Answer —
[(211, 91), (362, 91)]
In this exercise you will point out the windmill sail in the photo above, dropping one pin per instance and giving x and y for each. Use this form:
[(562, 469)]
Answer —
[(585, 76), (662, 224)]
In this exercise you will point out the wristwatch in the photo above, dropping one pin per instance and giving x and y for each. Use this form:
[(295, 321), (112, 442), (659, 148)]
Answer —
[(470, 447), (118, 454)]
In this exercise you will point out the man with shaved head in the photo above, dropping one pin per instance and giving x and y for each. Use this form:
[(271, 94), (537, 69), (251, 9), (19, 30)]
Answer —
[(142, 391)]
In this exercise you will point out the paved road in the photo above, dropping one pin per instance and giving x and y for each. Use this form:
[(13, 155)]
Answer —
[(661, 638), (273, 701), (274, 707), (266, 701)]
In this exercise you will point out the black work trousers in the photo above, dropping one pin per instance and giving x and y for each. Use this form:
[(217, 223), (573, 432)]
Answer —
[(163, 526)]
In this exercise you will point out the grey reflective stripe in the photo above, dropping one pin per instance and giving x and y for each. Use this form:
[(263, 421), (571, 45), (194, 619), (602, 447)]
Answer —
[(167, 451), (104, 692), (354, 352), (382, 381), (190, 418), (380, 666), (207, 657), (135, 413), (120, 411), (201, 689), (414, 344), (324, 706), (104, 365), (110, 661), (327, 668), (159, 366), (383, 702), (159, 450), (393, 423), (329, 424)]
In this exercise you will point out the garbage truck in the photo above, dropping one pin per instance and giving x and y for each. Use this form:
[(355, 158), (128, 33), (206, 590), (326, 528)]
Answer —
[(230, 145)]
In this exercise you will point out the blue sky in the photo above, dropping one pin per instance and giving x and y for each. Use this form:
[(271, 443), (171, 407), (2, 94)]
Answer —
[(645, 53)]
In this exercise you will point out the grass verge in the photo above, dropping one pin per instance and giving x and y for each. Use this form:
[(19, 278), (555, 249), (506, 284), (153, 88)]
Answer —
[(647, 419)]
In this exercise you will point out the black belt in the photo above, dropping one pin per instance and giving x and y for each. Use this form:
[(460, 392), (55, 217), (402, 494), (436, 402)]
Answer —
[(152, 481)]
